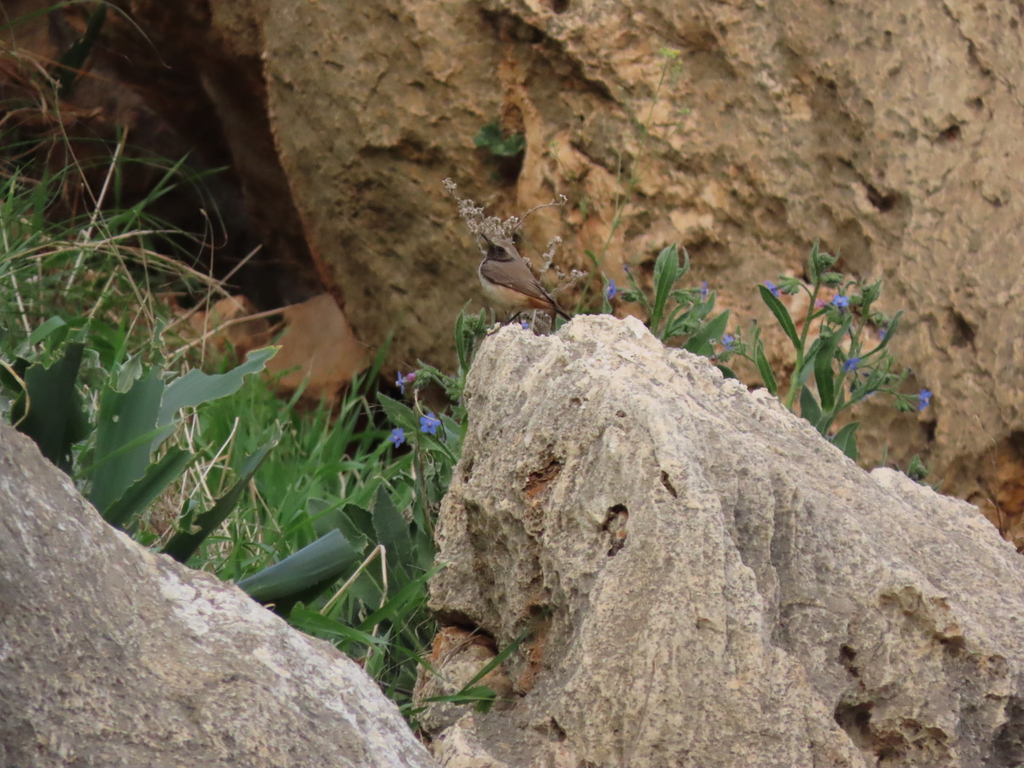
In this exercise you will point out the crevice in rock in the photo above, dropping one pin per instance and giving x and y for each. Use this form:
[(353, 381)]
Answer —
[(1008, 748), (615, 525), (855, 719), (847, 656), (667, 482), (538, 481), (963, 331), (949, 135)]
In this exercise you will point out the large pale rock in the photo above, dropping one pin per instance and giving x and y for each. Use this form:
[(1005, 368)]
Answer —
[(707, 581), (113, 656)]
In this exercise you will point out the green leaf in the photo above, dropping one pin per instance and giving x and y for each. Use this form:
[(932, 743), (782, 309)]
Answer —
[(728, 372), (123, 422), (392, 531), (807, 367), (196, 387), (666, 270), (460, 340), (765, 369), (312, 623), (490, 136), (399, 414), (414, 590), (54, 420), (823, 374), (145, 490), (71, 61), (809, 407), (846, 439), (45, 330), (700, 342), (890, 331), (186, 542), (499, 659), (781, 314), (316, 565)]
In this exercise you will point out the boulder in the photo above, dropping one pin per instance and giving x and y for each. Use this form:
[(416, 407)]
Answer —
[(706, 581), (112, 655)]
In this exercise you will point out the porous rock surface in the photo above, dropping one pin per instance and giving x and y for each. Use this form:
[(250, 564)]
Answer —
[(709, 582), (113, 656)]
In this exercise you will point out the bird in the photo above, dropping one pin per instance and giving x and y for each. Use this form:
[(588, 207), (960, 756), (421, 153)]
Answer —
[(508, 281)]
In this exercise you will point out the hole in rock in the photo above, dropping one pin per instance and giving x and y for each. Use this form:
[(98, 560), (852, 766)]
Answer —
[(949, 135), (963, 331), (665, 481)]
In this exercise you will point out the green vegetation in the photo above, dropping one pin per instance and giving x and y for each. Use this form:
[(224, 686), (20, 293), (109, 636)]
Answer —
[(490, 137)]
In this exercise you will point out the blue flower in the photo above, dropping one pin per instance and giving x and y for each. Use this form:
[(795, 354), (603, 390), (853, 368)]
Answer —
[(397, 436), (851, 365), (400, 382), (525, 324), (611, 290), (728, 342), (429, 423), (772, 287), (924, 399), (704, 291), (882, 332), (840, 302)]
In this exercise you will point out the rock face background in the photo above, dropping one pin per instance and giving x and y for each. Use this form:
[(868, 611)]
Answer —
[(890, 131), (707, 581), (111, 655)]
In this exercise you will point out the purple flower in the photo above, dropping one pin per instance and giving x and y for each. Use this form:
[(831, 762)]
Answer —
[(625, 268), (772, 287), (924, 399), (704, 291), (410, 378), (820, 304), (611, 290), (851, 365), (882, 332), (397, 436), (429, 423), (840, 302), (728, 342)]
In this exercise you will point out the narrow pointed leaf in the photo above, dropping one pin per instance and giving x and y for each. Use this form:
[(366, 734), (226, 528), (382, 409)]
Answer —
[(765, 369), (781, 314), (700, 342), (809, 408), (147, 488), (185, 543), (846, 439), (666, 269), (325, 560), (55, 420)]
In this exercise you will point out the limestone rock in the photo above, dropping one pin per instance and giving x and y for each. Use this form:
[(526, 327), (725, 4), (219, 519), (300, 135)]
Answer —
[(111, 655), (708, 581)]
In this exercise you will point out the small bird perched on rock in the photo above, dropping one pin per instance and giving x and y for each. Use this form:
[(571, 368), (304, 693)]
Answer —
[(509, 283)]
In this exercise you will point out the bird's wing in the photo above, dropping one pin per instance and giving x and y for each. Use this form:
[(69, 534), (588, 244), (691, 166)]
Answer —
[(515, 275)]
